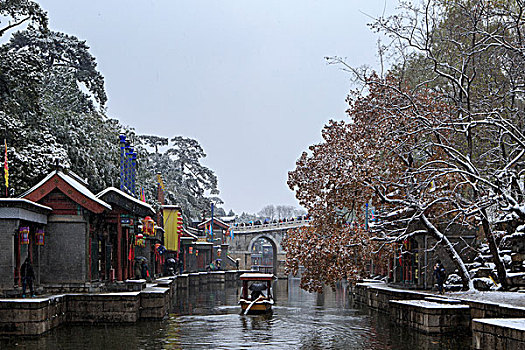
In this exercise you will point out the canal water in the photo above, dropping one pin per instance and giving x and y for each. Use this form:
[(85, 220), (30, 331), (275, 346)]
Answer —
[(209, 318)]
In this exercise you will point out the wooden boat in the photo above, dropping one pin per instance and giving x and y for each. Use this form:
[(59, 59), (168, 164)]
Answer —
[(256, 293)]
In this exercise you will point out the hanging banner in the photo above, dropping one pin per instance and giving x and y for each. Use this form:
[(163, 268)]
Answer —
[(40, 240), (24, 235), (172, 227)]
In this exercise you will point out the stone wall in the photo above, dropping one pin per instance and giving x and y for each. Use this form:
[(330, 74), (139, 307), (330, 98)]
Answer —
[(498, 334), (109, 307), (38, 315), (64, 257), (430, 317), (7, 255), (406, 307), (377, 295), (32, 316)]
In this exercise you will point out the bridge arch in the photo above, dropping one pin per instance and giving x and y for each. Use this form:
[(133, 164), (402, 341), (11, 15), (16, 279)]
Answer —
[(276, 245), (276, 248)]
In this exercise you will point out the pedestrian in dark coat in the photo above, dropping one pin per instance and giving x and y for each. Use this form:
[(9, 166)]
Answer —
[(181, 266), (145, 270), (28, 276), (439, 274)]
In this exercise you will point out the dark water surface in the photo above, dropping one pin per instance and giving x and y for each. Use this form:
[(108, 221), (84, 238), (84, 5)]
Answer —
[(208, 318)]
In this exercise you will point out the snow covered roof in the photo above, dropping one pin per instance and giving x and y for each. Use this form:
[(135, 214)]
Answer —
[(228, 218), (215, 222), (256, 276), (71, 182), (127, 196), (187, 233), (10, 201), (23, 209), (174, 207)]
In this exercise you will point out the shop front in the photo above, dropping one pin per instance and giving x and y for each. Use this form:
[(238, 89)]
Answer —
[(126, 235)]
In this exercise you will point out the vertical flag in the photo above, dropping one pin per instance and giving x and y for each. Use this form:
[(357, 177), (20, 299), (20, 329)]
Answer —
[(211, 223), (231, 233), (6, 168)]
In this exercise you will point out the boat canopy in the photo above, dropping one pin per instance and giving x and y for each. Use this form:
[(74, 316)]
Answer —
[(256, 277)]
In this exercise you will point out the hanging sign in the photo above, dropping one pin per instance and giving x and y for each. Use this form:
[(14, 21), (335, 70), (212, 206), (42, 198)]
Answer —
[(24, 235), (40, 240)]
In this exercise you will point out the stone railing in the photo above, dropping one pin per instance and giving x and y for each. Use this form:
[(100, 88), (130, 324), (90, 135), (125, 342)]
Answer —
[(270, 226)]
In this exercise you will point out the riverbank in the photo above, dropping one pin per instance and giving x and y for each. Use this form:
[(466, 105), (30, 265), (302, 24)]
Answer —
[(493, 324), (135, 300)]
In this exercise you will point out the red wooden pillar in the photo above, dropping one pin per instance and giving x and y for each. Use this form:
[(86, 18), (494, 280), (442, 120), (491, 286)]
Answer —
[(126, 261), (119, 249), (18, 279)]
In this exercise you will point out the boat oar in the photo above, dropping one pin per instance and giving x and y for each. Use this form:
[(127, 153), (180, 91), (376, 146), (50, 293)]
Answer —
[(251, 304)]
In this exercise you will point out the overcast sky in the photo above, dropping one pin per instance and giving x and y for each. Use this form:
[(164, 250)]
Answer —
[(247, 79)]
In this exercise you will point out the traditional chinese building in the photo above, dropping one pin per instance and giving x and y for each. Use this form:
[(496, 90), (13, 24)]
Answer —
[(120, 237), (75, 229), (22, 231)]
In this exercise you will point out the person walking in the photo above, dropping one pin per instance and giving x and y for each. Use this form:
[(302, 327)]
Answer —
[(439, 274), (28, 276), (181, 266), (145, 271)]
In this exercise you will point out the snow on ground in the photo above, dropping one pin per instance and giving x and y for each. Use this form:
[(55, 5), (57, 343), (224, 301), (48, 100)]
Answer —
[(513, 299), (509, 298), (516, 323)]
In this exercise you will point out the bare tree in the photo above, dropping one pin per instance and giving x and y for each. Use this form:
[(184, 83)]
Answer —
[(268, 212)]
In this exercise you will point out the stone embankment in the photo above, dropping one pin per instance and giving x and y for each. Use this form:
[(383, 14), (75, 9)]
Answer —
[(493, 325), (135, 300)]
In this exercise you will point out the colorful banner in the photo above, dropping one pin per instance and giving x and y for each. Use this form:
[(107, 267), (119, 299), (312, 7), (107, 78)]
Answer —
[(39, 235), (24, 235), (6, 166), (171, 228)]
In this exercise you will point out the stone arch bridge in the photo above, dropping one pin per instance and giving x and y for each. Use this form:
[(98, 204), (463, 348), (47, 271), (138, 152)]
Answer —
[(245, 237)]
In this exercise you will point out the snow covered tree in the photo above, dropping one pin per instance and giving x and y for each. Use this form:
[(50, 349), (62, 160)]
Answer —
[(268, 211), (450, 116), (187, 182), (49, 116), (380, 155), (19, 12), (473, 52)]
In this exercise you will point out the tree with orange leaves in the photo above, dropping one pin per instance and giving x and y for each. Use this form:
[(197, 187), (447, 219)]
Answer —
[(386, 154)]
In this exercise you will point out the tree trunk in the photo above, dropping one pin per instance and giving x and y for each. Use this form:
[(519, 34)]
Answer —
[(500, 267), (454, 256)]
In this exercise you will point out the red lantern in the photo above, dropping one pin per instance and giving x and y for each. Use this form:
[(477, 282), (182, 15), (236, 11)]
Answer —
[(190, 250), (140, 241), (148, 226), (24, 235), (40, 240)]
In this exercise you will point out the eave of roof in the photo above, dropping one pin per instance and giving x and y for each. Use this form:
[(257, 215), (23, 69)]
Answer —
[(215, 221), (18, 202), (126, 196)]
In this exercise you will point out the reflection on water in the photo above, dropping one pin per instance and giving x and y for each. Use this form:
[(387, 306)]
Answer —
[(209, 318)]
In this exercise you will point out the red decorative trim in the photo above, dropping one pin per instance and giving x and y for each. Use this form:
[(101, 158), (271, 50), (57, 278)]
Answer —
[(57, 182)]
